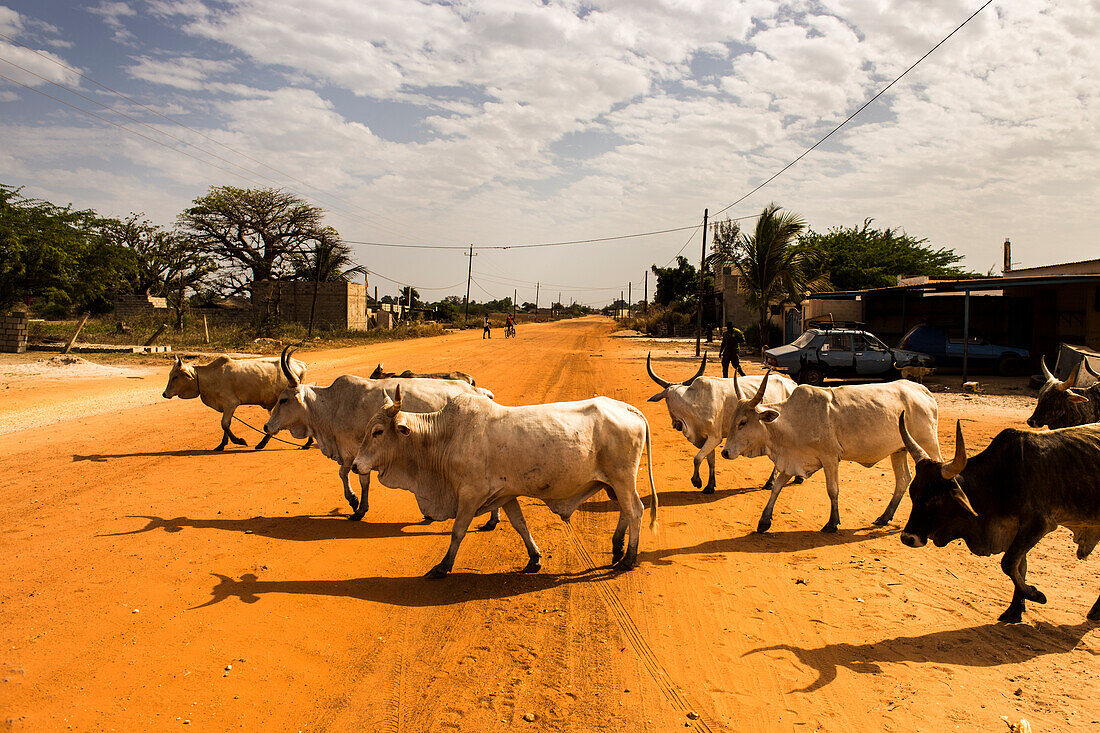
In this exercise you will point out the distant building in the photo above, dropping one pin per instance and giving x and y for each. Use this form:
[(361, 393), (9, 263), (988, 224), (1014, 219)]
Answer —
[(339, 304)]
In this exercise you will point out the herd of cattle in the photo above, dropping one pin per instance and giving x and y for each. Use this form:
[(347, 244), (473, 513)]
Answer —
[(462, 454)]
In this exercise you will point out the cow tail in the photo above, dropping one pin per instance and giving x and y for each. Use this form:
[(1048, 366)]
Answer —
[(652, 485)]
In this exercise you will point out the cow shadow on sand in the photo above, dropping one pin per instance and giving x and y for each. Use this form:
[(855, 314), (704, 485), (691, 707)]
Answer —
[(301, 528), (182, 453), (990, 645), (458, 587), (688, 497), (770, 542)]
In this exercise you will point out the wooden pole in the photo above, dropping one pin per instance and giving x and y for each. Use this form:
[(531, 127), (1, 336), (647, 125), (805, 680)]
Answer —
[(205, 330), (537, 301), (156, 335), (699, 308), (645, 308), (75, 334), (469, 277)]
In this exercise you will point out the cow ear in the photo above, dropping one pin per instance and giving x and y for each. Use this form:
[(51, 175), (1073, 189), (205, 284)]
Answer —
[(1076, 397), (659, 396), (768, 415), (401, 426)]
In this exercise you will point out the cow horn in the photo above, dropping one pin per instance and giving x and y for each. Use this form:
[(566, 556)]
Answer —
[(179, 361), (1088, 368), (960, 496), (760, 392), (1071, 380), (702, 368), (911, 445), (397, 399), (958, 463), (1046, 372), (654, 377), (737, 386), (284, 362)]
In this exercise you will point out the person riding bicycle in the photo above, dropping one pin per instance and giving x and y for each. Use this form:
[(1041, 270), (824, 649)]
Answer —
[(510, 325)]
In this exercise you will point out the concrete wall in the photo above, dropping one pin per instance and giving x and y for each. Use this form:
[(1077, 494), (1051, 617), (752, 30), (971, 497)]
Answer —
[(340, 304), (734, 308), (133, 306), (13, 334)]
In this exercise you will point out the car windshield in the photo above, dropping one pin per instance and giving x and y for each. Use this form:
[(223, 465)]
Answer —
[(873, 342), (804, 340)]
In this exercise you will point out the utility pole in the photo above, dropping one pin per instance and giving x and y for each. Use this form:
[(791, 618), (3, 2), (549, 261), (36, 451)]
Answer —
[(515, 297), (699, 308), (536, 301), (645, 308), (469, 276)]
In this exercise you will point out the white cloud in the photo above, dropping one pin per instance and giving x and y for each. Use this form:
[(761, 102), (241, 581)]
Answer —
[(182, 72)]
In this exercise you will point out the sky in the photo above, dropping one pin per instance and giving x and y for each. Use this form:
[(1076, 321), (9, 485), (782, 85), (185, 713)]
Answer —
[(511, 122)]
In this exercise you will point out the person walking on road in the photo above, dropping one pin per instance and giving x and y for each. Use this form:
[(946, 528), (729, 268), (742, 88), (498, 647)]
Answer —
[(731, 340), (486, 334)]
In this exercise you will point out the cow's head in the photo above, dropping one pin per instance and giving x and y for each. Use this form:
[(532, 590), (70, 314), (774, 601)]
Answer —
[(378, 373), (290, 411), (182, 382), (941, 509), (1055, 397), (747, 435), (673, 393), (386, 437)]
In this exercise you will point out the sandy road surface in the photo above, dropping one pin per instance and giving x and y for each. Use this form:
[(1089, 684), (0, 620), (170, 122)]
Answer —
[(150, 583)]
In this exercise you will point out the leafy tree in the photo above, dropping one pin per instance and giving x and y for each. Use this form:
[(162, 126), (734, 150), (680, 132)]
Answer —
[(774, 267), (254, 234), (723, 248), (58, 257), (861, 257), (676, 284), (405, 296)]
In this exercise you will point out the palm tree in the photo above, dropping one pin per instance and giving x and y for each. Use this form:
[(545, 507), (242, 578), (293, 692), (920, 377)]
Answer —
[(773, 265), (328, 260)]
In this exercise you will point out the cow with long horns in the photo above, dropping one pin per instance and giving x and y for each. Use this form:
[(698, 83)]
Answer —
[(225, 384), (1023, 486), (817, 428), (700, 408), (1064, 403), (336, 416)]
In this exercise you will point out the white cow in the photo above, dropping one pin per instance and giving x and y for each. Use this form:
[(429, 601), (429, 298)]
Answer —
[(225, 384), (336, 416), (701, 408), (817, 427), (475, 456)]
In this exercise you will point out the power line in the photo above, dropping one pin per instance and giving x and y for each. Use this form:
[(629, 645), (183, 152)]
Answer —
[(852, 116), (593, 240)]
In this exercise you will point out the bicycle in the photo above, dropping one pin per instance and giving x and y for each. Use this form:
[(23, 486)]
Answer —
[(509, 331)]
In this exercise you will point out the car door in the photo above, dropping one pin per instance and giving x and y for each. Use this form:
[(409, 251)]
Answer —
[(873, 359), (836, 354)]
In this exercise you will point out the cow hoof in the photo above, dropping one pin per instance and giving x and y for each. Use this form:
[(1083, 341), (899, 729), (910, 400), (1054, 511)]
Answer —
[(533, 566), (763, 526), (488, 526), (1011, 616), (623, 564), (708, 490), (1094, 614), (239, 441), (798, 480), (696, 482), (439, 571), (353, 501), (220, 448), (1034, 594), (830, 528), (882, 521), (357, 516)]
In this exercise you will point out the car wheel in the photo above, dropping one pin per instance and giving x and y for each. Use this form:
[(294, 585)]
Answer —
[(811, 375), (1010, 366)]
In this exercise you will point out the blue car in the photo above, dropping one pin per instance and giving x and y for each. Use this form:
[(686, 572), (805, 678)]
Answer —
[(841, 352), (948, 351)]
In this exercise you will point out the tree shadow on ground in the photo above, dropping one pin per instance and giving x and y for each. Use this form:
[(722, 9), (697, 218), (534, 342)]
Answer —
[(689, 497), (403, 591), (990, 645), (302, 528), (770, 542)]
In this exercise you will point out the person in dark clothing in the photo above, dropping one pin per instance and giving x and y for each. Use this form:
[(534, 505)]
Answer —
[(731, 339), (486, 334)]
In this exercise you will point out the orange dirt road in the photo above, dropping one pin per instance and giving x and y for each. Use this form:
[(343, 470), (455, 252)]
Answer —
[(150, 583)]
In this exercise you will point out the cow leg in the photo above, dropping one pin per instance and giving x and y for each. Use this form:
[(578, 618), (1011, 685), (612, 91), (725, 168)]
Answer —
[(901, 483), (227, 423), (263, 443), (225, 440), (494, 520), (1015, 611), (832, 485), (630, 506), (706, 451), (308, 443), (1094, 614), (1014, 565), (515, 516), (360, 504), (618, 539), (467, 508), (777, 481)]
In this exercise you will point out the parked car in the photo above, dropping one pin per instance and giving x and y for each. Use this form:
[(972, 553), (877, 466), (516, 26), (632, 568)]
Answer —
[(939, 343), (841, 351)]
